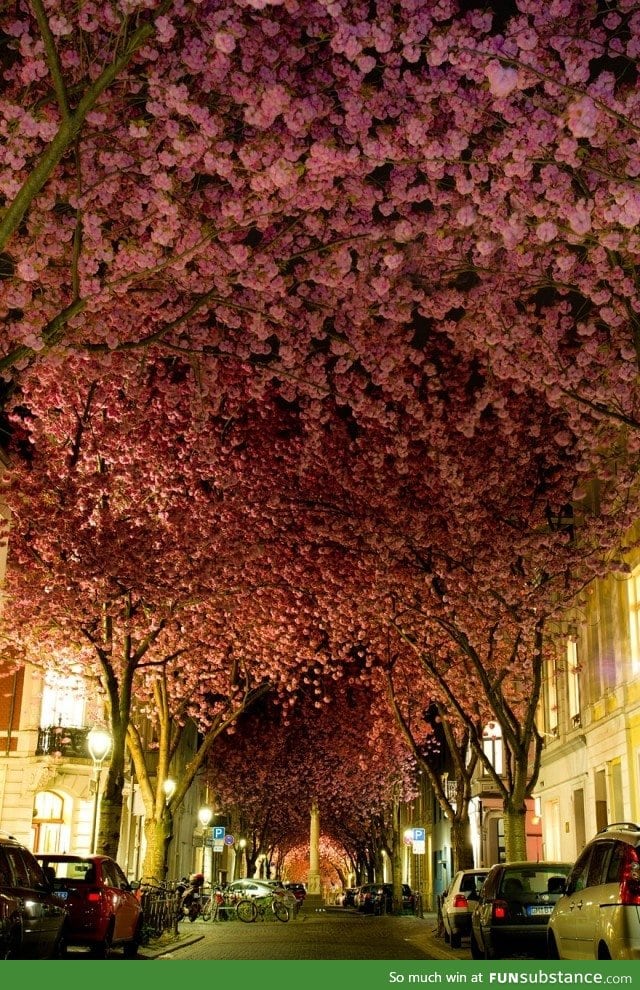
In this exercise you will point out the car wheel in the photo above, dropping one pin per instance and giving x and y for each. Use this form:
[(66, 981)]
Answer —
[(445, 934), (456, 940), (11, 948), (475, 948), (552, 948), (103, 949), (59, 950), (130, 949)]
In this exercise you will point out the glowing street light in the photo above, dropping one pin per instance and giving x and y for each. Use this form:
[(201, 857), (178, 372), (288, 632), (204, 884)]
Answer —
[(99, 743), (169, 788), (204, 817)]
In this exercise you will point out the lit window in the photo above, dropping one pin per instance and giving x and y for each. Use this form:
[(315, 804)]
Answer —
[(63, 700), (492, 746), (573, 681), (552, 696)]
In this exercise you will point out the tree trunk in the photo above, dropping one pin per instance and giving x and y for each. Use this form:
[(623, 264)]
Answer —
[(110, 809), (396, 863), (157, 834), (515, 831), (461, 847)]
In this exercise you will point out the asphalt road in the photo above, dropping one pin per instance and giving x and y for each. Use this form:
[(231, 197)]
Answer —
[(331, 934)]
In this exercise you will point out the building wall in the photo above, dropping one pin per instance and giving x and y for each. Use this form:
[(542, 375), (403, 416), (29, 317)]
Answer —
[(591, 764), (24, 775)]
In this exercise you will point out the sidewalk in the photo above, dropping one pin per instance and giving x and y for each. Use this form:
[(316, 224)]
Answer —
[(169, 943)]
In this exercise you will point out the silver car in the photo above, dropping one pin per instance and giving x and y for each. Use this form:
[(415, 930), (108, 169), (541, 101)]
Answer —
[(598, 917), (458, 902)]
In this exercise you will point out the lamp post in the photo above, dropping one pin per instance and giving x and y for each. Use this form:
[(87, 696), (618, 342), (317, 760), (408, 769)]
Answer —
[(204, 817), (98, 743), (242, 865)]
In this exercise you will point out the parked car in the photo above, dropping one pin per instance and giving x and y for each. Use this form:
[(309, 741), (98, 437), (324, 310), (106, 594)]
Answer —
[(598, 916), (513, 909), (298, 890), (346, 898), (31, 916), (383, 898), (363, 899), (458, 902), (102, 909)]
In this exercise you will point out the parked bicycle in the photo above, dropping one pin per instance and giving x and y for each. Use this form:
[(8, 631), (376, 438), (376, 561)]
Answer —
[(221, 905), (272, 905), (159, 900)]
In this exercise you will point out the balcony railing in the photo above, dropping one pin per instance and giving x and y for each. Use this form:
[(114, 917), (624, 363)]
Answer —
[(57, 740)]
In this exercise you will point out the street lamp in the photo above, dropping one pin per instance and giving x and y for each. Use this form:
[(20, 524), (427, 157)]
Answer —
[(242, 865), (98, 743), (204, 817), (169, 788)]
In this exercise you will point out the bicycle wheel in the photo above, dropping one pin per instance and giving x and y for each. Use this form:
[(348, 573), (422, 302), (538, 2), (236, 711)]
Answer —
[(280, 910), (247, 911), (206, 909)]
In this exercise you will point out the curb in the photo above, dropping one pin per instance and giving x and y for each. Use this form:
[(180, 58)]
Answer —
[(149, 953)]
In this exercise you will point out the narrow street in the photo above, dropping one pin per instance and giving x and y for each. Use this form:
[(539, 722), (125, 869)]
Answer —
[(330, 934)]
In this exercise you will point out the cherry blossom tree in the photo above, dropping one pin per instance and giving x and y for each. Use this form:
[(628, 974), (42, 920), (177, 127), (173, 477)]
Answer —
[(129, 557), (309, 194), (343, 755), (399, 243), (437, 743)]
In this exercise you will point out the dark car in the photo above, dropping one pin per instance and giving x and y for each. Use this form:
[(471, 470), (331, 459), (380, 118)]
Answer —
[(348, 896), (102, 909), (31, 917), (513, 909), (298, 890), (363, 899), (383, 899)]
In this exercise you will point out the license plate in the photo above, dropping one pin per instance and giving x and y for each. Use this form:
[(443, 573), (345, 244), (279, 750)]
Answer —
[(62, 894), (537, 909)]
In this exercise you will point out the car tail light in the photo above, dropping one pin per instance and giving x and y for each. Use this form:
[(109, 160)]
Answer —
[(94, 896), (630, 878), (460, 901), (500, 911)]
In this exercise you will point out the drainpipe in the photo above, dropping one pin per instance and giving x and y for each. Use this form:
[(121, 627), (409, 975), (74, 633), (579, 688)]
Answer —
[(12, 709)]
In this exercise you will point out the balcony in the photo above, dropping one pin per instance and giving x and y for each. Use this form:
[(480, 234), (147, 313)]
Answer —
[(56, 740)]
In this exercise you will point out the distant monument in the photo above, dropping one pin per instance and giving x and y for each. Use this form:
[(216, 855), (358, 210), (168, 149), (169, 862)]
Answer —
[(314, 887)]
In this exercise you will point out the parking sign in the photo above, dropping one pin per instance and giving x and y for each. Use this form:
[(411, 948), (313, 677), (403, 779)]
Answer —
[(419, 838)]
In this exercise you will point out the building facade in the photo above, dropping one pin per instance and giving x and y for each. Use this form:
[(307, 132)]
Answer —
[(590, 774)]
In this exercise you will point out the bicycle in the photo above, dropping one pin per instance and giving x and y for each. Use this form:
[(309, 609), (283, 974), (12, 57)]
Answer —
[(278, 908), (159, 901), (220, 905)]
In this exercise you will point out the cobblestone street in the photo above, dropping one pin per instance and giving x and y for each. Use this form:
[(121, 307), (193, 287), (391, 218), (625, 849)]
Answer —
[(328, 934)]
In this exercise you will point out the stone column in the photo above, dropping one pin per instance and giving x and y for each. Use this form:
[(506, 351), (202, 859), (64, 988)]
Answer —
[(313, 882)]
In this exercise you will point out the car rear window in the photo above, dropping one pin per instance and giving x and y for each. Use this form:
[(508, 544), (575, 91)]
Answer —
[(78, 870), (521, 883), (472, 882)]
